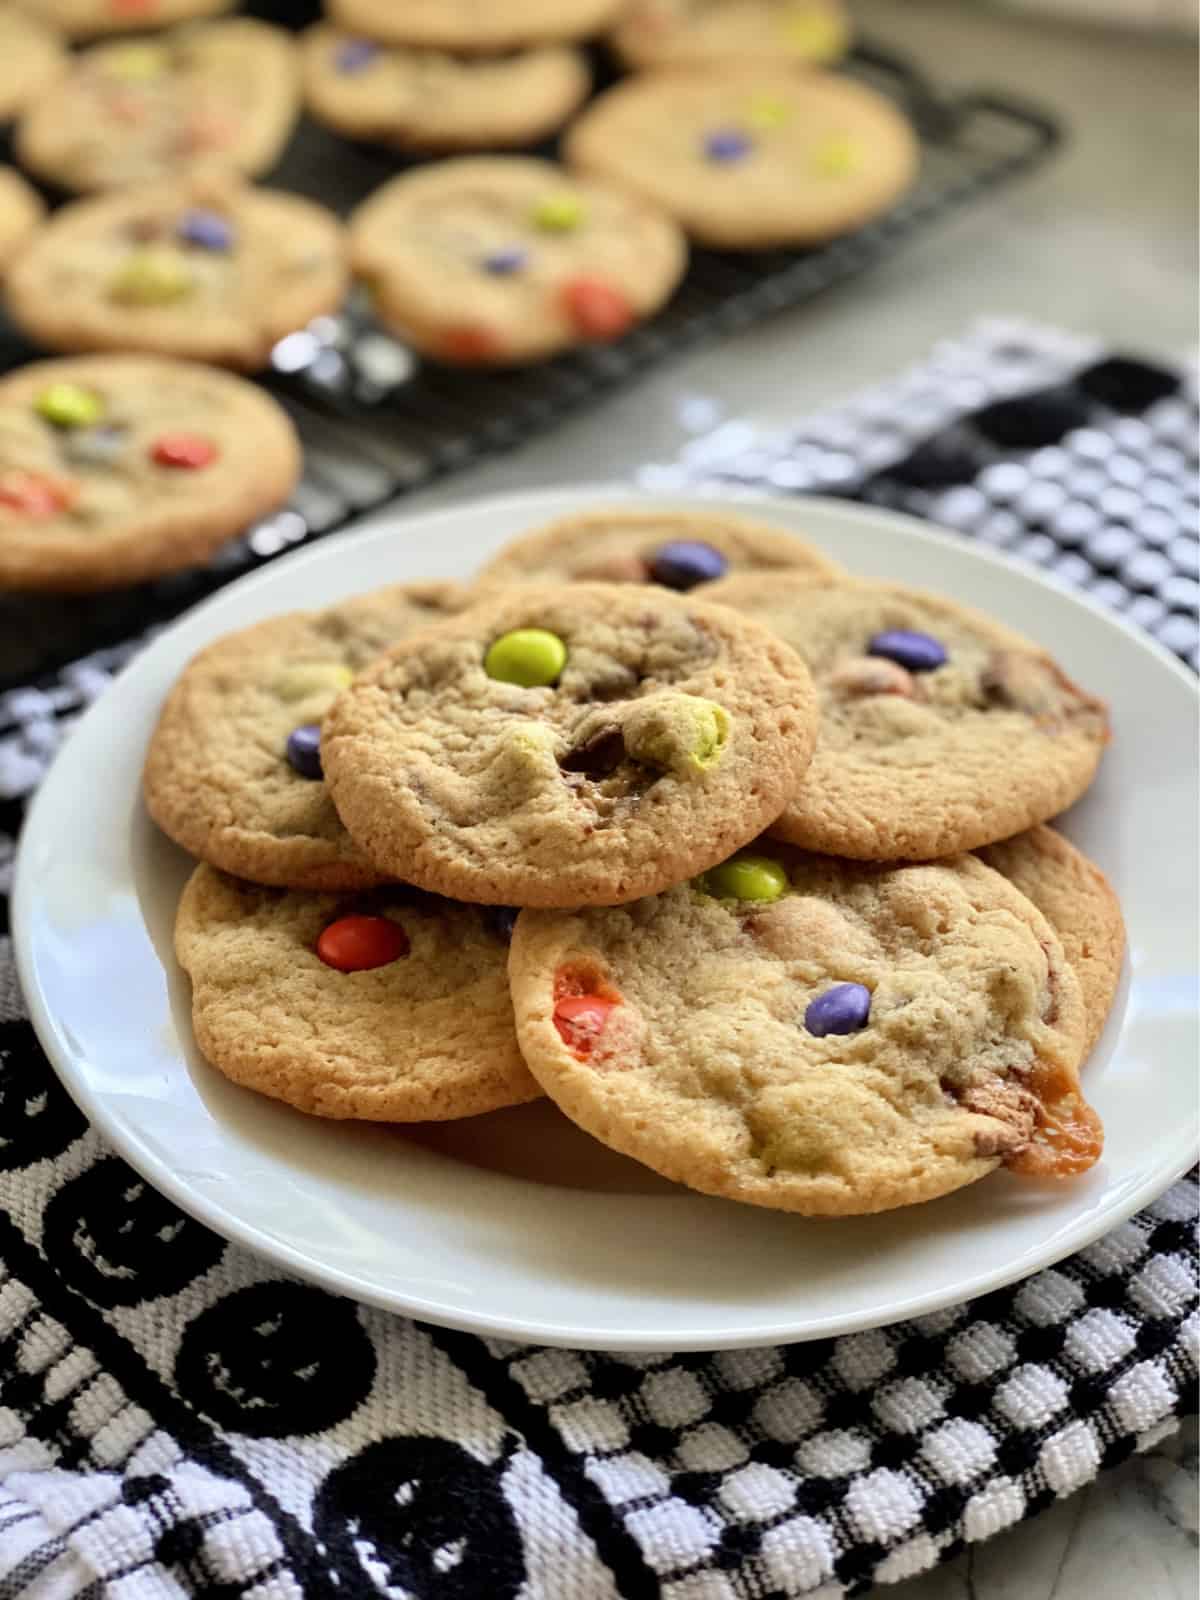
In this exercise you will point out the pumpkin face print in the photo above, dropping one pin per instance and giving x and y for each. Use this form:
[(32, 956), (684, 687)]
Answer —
[(276, 1359), (38, 1119), (120, 1242), (420, 1516)]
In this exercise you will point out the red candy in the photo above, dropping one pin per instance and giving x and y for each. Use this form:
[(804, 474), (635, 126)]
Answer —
[(580, 1012), (132, 8), (580, 1021), (470, 342), (183, 450), (596, 308), (356, 944), (32, 495)]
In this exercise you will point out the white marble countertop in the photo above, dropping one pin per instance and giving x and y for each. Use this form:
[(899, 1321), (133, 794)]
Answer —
[(1102, 241)]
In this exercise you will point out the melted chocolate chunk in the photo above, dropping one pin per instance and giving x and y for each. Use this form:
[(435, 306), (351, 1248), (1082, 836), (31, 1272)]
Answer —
[(599, 756)]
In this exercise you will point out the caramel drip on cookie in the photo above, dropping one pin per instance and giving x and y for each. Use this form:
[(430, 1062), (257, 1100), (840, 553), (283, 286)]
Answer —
[(1067, 1138)]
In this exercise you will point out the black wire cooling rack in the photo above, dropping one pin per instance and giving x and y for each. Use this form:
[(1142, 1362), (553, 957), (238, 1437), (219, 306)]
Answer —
[(376, 422)]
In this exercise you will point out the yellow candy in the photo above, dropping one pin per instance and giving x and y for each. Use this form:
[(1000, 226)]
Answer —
[(137, 63), (152, 277), (67, 405), (837, 156), (813, 34), (559, 213), (712, 730), (765, 112), (681, 733), (311, 678)]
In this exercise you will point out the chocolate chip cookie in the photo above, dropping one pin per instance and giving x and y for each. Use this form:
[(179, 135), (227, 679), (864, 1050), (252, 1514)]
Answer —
[(119, 468), (201, 267), (677, 549), (568, 745), (697, 33), (813, 1035), (428, 100), (233, 772), (748, 159), (392, 1007), (501, 260), (221, 94), (1078, 902), (940, 729)]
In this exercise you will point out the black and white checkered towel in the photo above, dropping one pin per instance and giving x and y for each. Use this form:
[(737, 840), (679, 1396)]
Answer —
[(177, 1418)]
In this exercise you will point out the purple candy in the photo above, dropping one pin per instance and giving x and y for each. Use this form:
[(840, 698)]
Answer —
[(843, 1009), (304, 750), (683, 563), (918, 652), (94, 447), (207, 230), (504, 262), (727, 144), (356, 55)]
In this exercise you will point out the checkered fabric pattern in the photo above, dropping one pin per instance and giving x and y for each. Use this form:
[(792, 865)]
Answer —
[(177, 1418)]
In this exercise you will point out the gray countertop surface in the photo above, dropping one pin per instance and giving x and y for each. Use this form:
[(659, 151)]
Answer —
[(1102, 241)]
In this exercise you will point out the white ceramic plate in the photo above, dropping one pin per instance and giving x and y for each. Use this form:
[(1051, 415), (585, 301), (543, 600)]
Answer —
[(516, 1224)]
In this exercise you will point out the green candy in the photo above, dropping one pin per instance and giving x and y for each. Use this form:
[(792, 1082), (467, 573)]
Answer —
[(746, 877), (530, 657), (67, 405), (558, 213), (153, 277)]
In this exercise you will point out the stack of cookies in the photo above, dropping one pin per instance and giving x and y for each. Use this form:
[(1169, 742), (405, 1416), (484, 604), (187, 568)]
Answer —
[(737, 857)]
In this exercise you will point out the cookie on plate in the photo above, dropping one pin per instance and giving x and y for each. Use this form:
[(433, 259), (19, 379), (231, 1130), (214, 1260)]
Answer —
[(499, 260), (813, 1035), (201, 267), (745, 158), (210, 93), (421, 99), (21, 210), (119, 468), (475, 27), (233, 772), (569, 745), (1078, 902), (31, 57), (88, 19), (392, 1007), (940, 729), (676, 549), (695, 33)]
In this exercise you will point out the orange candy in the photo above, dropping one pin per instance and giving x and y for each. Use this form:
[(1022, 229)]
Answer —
[(356, 943), (580, 1021), (581, 1010), (30, 494), (469, 343), (597, 309)]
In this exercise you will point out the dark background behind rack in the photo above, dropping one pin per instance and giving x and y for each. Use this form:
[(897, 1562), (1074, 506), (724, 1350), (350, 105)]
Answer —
[(376, 423)]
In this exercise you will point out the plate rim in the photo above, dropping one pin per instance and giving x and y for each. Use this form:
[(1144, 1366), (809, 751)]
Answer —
[(129, 1143)]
